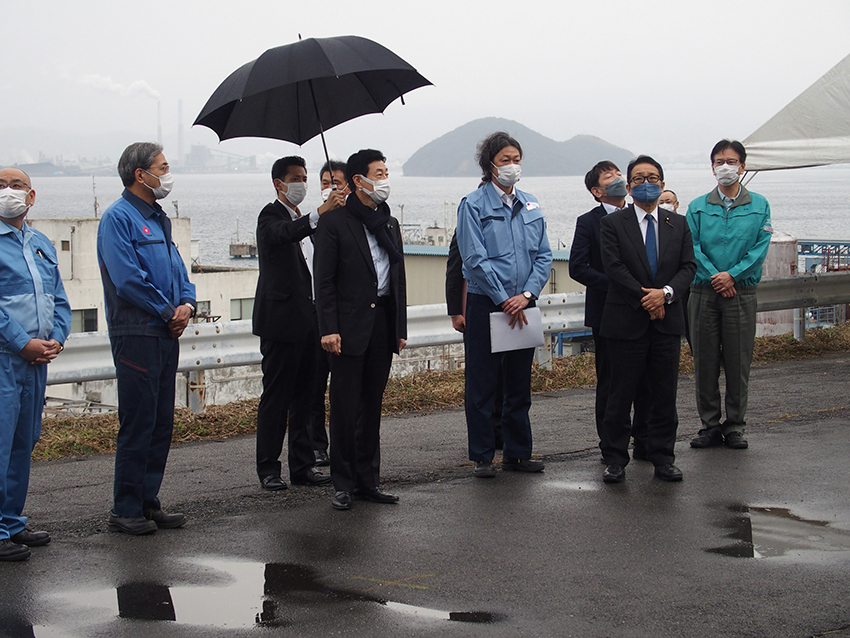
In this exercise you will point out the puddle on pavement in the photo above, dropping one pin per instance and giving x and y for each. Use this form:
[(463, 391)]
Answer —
[(246, 595), (767, 532)]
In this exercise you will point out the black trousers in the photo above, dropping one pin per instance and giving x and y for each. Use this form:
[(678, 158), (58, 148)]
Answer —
[(357, 392), (289, 370), (654, 356), (318, 433), (603, 383)]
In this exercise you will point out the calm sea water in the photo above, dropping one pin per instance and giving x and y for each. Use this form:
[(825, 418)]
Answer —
[(806, 203)]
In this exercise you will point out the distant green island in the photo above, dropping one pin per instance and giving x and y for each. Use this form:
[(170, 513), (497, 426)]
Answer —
[(453, 154)]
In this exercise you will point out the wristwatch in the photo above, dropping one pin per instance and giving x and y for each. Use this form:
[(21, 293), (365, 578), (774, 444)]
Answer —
[(528, 295), (668, 294)]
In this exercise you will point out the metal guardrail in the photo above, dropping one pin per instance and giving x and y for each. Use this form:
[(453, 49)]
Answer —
[(204, 346)]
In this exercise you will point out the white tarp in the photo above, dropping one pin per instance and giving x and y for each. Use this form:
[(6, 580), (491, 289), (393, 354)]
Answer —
[(813, 130)]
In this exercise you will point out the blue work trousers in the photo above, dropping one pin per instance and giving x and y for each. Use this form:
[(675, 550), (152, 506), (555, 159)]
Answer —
[(21, 403), (482, 375), (146, 368)]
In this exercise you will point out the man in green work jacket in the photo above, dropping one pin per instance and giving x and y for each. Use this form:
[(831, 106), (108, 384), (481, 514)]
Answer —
[(731, 231)]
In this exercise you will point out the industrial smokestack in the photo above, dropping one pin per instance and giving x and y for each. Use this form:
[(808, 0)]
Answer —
[(180, 132)]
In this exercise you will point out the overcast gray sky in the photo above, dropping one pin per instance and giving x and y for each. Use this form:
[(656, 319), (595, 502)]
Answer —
[(667, 78)]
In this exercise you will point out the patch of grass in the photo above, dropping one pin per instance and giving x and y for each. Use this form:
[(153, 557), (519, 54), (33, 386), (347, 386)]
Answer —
[(76, 436)]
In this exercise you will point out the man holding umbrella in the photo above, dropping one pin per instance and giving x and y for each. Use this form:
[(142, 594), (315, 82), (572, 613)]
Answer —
[(285, 321), (362, 310)]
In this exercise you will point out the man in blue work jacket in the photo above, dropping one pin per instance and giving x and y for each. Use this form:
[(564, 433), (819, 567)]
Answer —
[(149, 302), (506, 257), (35, 319)]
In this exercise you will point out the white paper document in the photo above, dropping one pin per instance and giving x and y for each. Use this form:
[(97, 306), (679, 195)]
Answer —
[(504, 338)]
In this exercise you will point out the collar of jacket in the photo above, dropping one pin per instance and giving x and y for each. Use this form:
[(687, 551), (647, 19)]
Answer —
[(147, 210), (495, 199), (742, 198)]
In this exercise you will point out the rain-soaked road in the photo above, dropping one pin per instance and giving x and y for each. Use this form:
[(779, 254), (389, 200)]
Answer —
[(751, 543)]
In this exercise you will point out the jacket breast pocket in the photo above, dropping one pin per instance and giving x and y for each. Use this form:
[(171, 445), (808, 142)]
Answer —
[(533, 228), (148, 242), (496, 236)]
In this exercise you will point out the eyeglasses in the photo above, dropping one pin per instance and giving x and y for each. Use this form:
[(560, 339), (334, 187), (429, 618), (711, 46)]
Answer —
[(637, 180), (730, 162), (15, 186)]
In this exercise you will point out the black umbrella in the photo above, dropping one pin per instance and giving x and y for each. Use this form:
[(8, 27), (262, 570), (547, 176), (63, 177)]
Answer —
[(297, 91)]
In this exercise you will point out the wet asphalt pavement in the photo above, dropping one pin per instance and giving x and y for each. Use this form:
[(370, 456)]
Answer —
[(751, 543)]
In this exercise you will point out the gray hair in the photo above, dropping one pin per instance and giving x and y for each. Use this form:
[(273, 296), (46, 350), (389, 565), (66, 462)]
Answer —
[(137, 155)]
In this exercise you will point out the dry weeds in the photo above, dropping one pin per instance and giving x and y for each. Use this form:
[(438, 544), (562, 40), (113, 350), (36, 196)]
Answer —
[(76, 436)]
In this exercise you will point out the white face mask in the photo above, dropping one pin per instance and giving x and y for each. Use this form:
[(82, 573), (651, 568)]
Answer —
[(13, 203), (668, 207), (381, 192), (166, 183), (326, 192), (508, 175), (726, 175), (295, 192)]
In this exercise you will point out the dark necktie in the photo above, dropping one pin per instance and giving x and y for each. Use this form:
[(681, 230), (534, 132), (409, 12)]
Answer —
[(651, 246)]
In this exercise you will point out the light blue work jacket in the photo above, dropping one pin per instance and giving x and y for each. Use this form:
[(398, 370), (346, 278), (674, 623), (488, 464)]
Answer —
[(505, 251), (33, 303)]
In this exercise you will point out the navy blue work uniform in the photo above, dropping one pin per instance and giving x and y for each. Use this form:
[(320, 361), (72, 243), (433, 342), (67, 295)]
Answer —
[(144, 281)]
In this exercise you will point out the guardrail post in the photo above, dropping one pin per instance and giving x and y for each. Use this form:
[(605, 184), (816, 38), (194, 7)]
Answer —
[(544, 353), (800, 324), (197, 389)]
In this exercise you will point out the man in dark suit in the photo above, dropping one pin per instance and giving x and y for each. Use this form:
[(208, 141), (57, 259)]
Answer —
[(362, 308), (285, 320), (332, 178), (605, 182), (649, 259)]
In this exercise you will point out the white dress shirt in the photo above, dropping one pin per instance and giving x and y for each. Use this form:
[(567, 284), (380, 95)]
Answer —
[(382, 263), (306, 243)]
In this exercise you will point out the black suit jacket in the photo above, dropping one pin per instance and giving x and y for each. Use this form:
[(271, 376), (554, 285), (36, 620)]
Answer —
[(454, 280), (347, 284), (627, 266), (283, 304), (586, 265)]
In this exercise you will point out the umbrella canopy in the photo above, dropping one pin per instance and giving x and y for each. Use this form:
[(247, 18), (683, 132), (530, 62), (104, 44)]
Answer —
[(297, 91)]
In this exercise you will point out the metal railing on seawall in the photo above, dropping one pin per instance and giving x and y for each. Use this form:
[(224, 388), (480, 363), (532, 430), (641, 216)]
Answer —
[(206, 346)]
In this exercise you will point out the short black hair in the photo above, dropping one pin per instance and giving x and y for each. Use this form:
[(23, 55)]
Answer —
[(735, 145), (358, 164), (281, 167), (332, 167), (643, 159), (591, 180), (487, 150)]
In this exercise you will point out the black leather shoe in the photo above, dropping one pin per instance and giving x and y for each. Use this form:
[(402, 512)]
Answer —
[(341, 501), (164, 520), (11, 551), (614, 474), (311, 477), (484, 469), (522, 465), (30, 539), (133, 525), (707, 437), (668, 472), (322, 458), (736, 441), (376, 495), (273, 483)]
